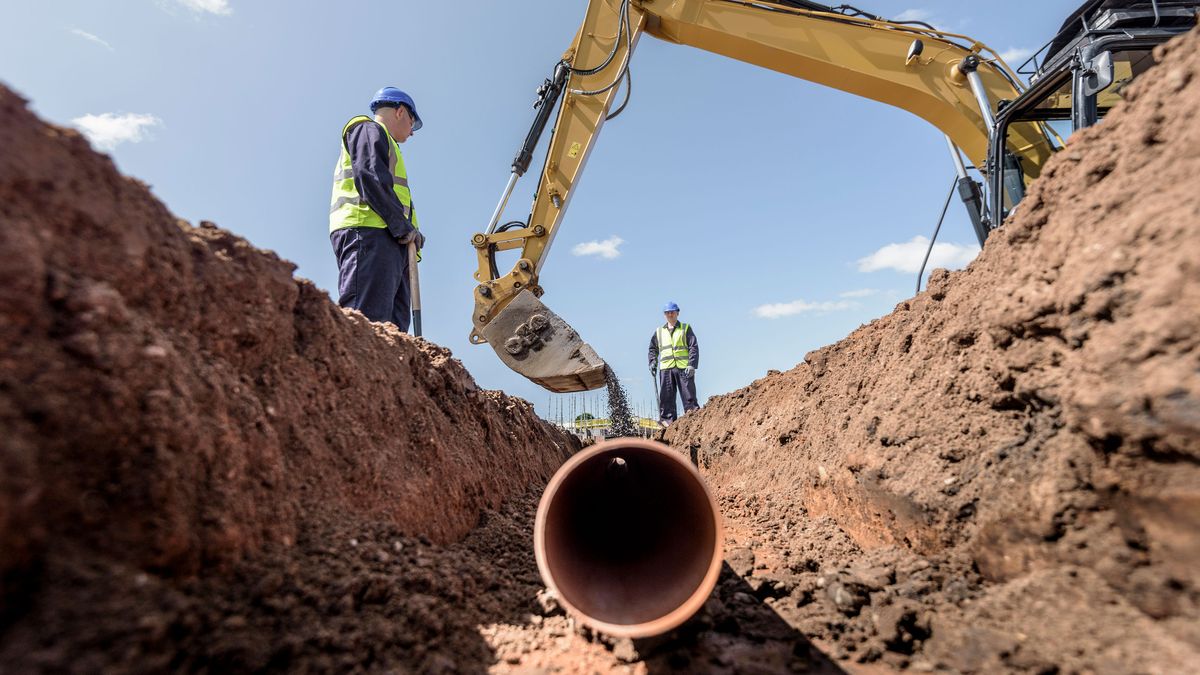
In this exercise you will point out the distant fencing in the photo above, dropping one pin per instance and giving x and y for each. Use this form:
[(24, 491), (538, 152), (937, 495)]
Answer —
[(601, 428)]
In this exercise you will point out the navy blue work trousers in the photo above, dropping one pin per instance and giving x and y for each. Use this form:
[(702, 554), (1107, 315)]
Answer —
[(670, 381), (373, 274)]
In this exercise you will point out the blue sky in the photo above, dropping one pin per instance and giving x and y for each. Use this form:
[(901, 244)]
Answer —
[(779, 214)]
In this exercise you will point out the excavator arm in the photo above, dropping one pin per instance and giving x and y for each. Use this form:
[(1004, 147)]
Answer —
[(951, 81)]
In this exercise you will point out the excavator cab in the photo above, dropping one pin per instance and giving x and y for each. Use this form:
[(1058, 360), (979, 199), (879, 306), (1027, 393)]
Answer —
[(1079, 75)]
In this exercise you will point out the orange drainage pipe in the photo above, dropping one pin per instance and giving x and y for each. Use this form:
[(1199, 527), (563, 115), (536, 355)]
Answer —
[(629, 538)]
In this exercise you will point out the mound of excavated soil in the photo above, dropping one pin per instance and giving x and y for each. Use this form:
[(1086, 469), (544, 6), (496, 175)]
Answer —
[(207, 466), (172, 401), (1004, 473)]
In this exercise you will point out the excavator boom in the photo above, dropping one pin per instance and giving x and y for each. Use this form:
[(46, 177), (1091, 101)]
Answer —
[(952, 81)]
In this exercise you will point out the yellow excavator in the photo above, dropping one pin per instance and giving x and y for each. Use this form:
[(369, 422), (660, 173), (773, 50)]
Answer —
[(1005, 129)]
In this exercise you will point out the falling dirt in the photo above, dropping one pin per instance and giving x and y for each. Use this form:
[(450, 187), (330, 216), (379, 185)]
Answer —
[(206, 466), (620, 417)]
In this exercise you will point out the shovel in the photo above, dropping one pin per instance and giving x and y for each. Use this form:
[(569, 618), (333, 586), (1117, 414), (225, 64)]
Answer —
[(414, 284)]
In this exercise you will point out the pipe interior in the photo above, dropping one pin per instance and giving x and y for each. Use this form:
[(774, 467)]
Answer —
[(629, 545)]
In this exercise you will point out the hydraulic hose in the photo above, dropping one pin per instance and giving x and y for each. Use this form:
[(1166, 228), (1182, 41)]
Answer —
[(936, 230), (628, 92), (623, 29), (611, 53)]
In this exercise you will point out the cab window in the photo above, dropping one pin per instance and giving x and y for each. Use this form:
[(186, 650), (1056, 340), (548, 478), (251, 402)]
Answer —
[(1128, 64)]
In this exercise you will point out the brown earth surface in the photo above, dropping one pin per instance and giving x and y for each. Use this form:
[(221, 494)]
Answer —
[(173, 401), (207, 466), (1004, 473)]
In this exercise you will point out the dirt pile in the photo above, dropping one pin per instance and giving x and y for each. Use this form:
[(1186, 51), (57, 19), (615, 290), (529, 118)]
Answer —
[(172, 399), (205, 465), (1004, 473), (350, 595)]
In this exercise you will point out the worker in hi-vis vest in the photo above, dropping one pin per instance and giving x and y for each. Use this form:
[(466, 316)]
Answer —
[(674, 357), (371, 217)]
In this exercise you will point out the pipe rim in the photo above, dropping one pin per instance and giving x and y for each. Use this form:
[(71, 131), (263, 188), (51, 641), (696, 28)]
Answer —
[(679, 615)]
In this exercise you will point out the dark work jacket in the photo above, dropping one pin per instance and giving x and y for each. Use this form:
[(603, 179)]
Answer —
[(368, 147)]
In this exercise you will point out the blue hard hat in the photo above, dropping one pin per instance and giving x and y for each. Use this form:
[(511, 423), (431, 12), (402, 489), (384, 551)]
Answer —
[(670, 307), (394, 95)]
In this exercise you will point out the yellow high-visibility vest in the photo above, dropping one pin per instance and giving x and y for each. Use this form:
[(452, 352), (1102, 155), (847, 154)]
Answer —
[(347, 207), (672, 347)]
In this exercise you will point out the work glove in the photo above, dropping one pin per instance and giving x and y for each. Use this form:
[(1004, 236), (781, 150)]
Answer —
[(416, 236), (653, 371), (691, 372)]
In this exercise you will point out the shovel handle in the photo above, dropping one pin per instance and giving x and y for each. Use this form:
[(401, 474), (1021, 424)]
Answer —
[(414, 284)]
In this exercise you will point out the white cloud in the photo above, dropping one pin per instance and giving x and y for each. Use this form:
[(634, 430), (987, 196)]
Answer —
[(220, 7), (607, 249), (860, 293), (907, 257), (1015, 56), (781, 309), (914, 15), (108, 130), (88, 36)]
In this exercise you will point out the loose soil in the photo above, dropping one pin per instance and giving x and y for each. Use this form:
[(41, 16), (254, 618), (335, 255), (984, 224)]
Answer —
[(207, 466), (1004, 473), (174, 403), (620, 416)]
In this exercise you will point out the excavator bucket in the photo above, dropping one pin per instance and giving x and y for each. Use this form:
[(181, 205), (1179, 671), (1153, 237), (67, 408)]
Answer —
[(537, 343)]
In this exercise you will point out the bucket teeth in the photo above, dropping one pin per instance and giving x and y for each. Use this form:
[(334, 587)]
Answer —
[(537, 343)]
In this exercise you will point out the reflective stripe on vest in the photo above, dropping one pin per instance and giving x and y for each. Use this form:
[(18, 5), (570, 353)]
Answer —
[(672, 347), (343, 174), (347, 208)]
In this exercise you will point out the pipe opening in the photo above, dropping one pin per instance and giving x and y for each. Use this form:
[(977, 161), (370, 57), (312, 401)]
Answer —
[(631, 536)]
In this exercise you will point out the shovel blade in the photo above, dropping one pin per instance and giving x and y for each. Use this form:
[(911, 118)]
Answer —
[(537, 343)]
